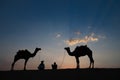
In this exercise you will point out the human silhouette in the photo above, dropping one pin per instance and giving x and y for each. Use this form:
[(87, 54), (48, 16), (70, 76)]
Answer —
[(81, 51), (54, 66), (24, 54), (41, 66)]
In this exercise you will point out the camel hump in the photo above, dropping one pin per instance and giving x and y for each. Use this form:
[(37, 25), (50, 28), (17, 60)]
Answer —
[(26, 50), (83, 48), (22, 51), (87, 48), (78, 47), (19, 51)]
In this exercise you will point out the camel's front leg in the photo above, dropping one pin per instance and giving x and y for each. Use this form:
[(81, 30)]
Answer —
[(25, 64), (77, 61)]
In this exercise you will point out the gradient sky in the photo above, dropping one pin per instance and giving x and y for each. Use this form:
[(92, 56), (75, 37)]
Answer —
[(55, 24)]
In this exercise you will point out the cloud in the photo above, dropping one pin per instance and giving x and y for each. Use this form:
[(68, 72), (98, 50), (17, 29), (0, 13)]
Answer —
[(78, 33), (102, 36), (58, 35), (86, 39)]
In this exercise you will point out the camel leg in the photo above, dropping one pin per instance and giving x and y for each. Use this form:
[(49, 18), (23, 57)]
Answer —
[(25, 64), (93, 64), (12, 66), (91, 61), (90, 65), (77, 61)]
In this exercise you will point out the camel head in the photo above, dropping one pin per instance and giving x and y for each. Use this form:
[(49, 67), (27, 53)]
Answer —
[(37, 49), (67, 48)]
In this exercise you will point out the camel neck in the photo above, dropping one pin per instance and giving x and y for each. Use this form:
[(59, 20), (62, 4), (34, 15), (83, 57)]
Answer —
[(69, 52), (34, 53)]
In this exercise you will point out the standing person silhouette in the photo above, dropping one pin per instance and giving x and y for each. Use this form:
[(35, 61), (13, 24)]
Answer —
[(41, 66), (54, 66)]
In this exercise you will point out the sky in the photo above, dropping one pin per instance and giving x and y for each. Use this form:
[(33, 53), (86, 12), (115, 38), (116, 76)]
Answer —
[(55, 24)]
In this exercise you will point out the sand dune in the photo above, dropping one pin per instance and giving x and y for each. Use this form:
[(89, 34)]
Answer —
[(62, 74)]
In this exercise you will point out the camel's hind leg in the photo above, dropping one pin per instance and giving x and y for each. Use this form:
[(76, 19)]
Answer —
[(12, 65), (15, 59), (91, 61), (90, 65), (93, 64)]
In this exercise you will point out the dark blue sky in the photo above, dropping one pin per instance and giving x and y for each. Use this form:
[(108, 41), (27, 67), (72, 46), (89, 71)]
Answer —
[(49, 24)]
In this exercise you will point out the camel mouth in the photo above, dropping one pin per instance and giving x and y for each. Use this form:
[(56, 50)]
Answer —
[(38, 48), (66, 48)]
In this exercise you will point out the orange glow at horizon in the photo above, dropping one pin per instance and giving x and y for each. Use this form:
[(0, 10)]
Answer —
[(69, 62)]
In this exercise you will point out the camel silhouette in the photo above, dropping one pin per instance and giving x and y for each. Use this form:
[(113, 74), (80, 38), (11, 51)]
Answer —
[(24, 54), (81, 51)]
